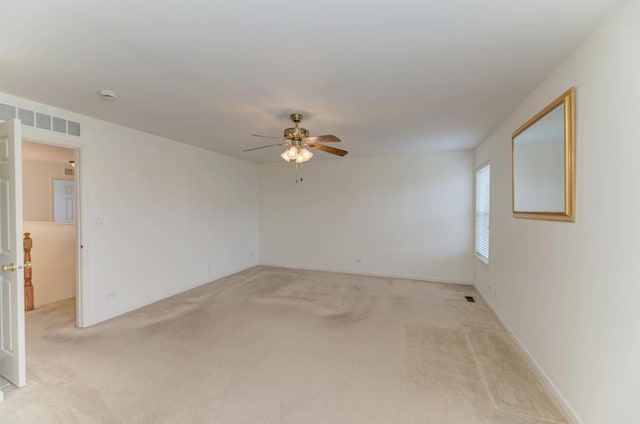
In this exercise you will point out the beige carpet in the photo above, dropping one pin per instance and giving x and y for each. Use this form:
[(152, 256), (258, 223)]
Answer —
[(271, 345)]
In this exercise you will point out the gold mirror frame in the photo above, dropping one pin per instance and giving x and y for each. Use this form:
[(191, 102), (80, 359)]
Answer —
[(568, 100)]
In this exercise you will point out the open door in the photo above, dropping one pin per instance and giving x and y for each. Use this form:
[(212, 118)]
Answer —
[(12, 331)]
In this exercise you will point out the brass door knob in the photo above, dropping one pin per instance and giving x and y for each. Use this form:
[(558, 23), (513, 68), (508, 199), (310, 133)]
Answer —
[(11, 267)]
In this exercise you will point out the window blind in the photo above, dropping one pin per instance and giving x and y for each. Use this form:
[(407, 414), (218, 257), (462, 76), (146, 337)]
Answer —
[(483, 182)]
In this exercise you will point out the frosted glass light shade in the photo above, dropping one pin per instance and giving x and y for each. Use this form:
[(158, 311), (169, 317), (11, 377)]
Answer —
[(306, 155), (292, 152)]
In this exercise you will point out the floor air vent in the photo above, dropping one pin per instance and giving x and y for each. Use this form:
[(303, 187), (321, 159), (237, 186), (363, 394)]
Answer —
[(470, 299)]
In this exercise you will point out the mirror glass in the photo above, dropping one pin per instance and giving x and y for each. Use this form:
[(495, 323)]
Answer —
[(543, 163)]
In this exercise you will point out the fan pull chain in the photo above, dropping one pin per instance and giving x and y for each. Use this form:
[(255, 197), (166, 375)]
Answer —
[(299, 173)]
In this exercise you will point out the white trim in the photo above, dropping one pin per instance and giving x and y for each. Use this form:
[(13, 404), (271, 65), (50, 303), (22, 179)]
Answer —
[(374, 274), (52, 138), (481, 258), (130, 308), (559, 398), (482, 165)]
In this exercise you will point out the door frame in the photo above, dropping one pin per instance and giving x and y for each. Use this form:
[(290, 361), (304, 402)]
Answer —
[(35, 135)]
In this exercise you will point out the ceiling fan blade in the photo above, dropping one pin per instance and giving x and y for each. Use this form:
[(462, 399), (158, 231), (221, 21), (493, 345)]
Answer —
[(328, 149), (266, 136), (263, 147), (322, 139)]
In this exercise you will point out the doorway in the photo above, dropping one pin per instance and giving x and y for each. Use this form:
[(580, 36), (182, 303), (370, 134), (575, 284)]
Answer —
[(50, 222), (12, 295)]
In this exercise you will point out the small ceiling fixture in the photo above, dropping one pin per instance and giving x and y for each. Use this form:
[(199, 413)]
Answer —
[(297, 140), (108, 95), (72, 163)]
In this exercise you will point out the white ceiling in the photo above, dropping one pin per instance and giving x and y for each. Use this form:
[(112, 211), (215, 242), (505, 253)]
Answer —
[(386, 77)]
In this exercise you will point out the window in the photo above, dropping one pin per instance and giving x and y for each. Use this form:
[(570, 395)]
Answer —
[(483, 182)]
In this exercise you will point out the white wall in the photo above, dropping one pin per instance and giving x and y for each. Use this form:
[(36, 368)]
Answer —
[(408, 216), (54, 261), (569, 291), (175, 216), (37, 188)]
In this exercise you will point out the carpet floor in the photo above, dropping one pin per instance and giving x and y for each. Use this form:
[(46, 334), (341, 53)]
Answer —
[(274, 345)]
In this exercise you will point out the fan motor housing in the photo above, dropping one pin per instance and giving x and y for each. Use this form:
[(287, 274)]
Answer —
[(296, 133)]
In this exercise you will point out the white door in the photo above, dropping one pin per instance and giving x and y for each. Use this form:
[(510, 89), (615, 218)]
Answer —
[(64, 196), (12, 345)]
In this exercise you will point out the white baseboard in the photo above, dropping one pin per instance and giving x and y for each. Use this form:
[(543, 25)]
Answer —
[(559, 398), (129, 308), (370, 274)]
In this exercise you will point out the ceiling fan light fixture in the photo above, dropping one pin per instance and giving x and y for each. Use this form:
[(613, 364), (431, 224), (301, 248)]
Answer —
[(292, 152), (297, 140), (305, 155)]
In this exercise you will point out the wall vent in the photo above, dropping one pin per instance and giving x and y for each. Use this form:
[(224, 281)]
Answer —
[(28, 117), (39, 120), (59, 125), (7, 112), (470, 299), (73, 128), (43, 121), (69, 171)]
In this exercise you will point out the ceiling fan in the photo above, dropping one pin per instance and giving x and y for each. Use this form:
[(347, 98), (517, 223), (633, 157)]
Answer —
[(297, 140)]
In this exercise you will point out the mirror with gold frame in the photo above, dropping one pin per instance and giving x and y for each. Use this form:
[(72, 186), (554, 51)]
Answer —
[(543, 163)]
